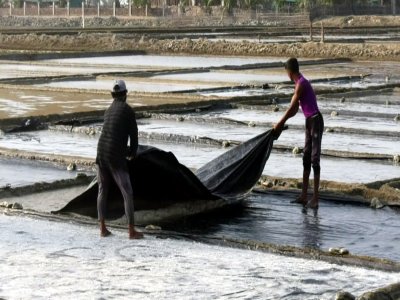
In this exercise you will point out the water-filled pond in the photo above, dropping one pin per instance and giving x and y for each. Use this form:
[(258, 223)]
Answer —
[(17, 172), (273, 219)]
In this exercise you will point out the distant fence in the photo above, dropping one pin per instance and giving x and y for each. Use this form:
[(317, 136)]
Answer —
[(190, 13), (186, 15), (354, 9)]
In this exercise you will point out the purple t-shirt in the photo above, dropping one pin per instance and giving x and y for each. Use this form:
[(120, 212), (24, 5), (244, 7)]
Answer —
[(308, 99)]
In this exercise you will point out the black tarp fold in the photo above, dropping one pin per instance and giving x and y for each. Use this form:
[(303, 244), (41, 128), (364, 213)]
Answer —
[(159, 180)]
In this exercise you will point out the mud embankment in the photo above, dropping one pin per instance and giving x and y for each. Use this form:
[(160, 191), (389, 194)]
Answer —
[(361, 21), (203, 46), (375, 194), (80, 180)]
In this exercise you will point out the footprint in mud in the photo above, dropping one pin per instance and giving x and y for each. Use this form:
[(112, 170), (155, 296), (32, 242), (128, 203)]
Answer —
[(126, 257), (324, 271), (313, 281), (295, 292), (63, 252), (235, 294), (20, 232), (129, 252)]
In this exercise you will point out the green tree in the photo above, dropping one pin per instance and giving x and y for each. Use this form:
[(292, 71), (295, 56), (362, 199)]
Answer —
[(229, 5), (250, 4), (208, 3), (18, 3), (139, 3), (278, 4)]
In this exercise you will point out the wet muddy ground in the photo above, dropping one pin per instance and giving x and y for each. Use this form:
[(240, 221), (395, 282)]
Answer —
[(210, 111), (273, 219)]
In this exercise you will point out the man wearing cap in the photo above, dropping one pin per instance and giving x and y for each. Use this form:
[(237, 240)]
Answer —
[(112, 151), (305, 97)]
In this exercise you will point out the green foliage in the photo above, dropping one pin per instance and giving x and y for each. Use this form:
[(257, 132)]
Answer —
[(183, 2), (140, 3), (208, 3), (278, 4), (299, 5), (250, 4), (229, 5), (18, 3), (322, 2)]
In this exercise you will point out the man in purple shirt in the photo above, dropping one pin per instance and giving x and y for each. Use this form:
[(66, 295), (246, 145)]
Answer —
[(304, 97)]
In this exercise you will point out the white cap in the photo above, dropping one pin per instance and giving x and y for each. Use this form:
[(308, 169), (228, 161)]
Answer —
[(119, 86)]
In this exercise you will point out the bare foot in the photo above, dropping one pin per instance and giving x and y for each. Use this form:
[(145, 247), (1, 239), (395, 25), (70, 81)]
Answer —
[(314, 203), (302, 199), (135, 235), (105, 232)]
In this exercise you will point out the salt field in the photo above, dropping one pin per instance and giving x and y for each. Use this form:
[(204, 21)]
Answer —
[(355, 122), (231, 77), (20, 103), (236, 92), (199, 107), (196, 156), (134, 85), (162, 61), (26, 69), (82, 264)]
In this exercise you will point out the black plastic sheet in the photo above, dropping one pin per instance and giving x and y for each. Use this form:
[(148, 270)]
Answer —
[(159, 180)]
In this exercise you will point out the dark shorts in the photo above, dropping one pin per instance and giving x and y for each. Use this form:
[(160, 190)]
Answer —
[(312, 147)]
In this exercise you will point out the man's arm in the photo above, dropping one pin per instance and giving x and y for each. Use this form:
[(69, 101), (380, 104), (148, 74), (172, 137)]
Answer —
[(292, 110), (133, 135)]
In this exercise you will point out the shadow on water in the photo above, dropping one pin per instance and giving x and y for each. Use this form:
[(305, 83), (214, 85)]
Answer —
[(273, 219)]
